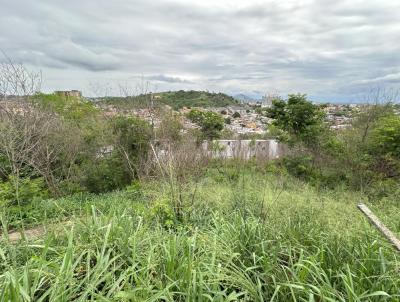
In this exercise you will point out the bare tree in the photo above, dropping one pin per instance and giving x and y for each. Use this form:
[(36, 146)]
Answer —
[(17, 140), (17, 80), (18, 135), (377, 100), (55, 155), (181, 164)]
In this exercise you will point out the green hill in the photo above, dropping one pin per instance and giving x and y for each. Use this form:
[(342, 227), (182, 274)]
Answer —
[(192, 98), (176, 99)]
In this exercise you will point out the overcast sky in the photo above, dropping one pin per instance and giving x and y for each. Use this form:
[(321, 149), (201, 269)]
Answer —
[(331, 50)]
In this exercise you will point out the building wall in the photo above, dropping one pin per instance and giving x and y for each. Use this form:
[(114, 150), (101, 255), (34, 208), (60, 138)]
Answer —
[(246, 149), (69, 93)]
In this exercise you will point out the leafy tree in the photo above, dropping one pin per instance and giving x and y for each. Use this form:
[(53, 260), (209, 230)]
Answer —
[(211, 123), (298, 116), (132, 137), (121, 161), (236, 115)]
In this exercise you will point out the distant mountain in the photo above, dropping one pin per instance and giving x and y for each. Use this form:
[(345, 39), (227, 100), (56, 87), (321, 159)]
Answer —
[(243, 98)]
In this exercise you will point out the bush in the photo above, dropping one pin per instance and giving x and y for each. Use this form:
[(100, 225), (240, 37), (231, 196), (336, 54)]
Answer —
[(131, 143), (169, 128), (383, 188), (236, 115), (163, 213), (300, 167), (106, 174), (29, 190), (325, 176), (135, 189), (385, 137)]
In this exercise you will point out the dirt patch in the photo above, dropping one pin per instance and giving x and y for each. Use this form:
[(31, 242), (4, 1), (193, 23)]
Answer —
[(33, 233), (29, 234)]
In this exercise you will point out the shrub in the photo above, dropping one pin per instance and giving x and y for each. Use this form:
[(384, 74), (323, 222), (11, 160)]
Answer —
[(163, 213), (385, 137), (131, 143), (236, 115), (29, 190), (383, 188), (135, 189), (169, 128), (106, 174), (300, 166)]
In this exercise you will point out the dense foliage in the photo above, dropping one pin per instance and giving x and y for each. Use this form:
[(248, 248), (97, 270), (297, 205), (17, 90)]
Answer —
[(61, 145), (192, 98), (175, 99), (211, 123), (298, 117), (365, 156), (385, 136)]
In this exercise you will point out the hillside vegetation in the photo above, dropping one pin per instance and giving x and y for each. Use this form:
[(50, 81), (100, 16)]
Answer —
[(181, 98), (176, 99)]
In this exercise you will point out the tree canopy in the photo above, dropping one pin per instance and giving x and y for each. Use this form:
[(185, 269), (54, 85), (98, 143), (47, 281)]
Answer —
[(211, 123), (297, 116)]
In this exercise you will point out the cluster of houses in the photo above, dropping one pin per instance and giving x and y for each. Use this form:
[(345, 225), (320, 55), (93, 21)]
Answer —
[(340, 116), (243, 119), (240, 120), (150, 115)]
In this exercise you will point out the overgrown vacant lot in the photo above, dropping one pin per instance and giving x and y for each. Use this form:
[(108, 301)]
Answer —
[(237, 235)]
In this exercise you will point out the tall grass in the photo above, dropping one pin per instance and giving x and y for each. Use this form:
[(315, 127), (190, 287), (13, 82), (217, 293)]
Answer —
[(304, 245)]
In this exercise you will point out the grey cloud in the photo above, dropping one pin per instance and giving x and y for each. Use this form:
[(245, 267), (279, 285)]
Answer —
[(314, 46), (161, 78), (389, 78), (167, 79)]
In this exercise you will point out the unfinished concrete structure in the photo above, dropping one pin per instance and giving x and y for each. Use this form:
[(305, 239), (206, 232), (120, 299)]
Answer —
[(246, 149), (69, 93)]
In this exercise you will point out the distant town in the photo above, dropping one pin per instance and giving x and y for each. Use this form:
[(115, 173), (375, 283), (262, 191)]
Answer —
[(243, 119)]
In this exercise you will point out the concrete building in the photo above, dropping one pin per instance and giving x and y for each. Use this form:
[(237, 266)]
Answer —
[(246, 149), (69, 93)]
